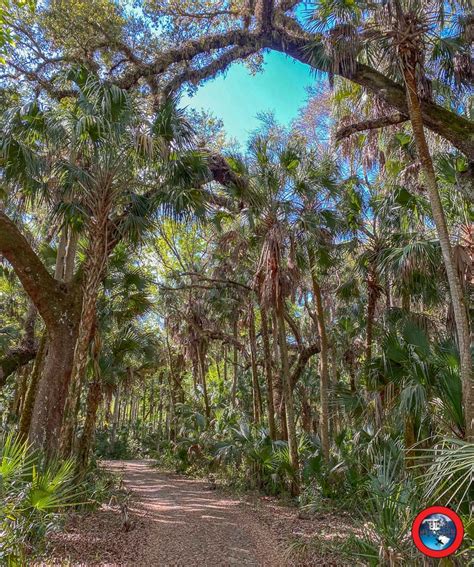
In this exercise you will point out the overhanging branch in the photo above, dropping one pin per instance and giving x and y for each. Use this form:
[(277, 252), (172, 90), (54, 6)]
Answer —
[(15, 359), (303, 358), (186, 52), (371, 124), (44, 291), (449, 125), (26, 351), (196, 76)]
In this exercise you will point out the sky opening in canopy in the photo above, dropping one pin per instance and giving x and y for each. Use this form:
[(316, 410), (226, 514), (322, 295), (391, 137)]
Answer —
[(238, 97)]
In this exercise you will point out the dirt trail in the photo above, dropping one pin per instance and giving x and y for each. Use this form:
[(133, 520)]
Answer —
[(187, 523), (177, 521)]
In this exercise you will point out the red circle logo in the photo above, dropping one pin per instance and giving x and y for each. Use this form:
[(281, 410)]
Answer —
[(437, 531)]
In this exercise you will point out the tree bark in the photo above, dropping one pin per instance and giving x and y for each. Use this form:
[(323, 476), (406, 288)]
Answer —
[(24, 352), (289, 403), (20, 391), (306, 417), (278, 380), (268, 374), (256, 395), (373, 293), (13, 360), (47, 419), (27, 410), (235, 379), (324, 356), (202, 377), (57, 304), (115, 415), (370, 124), (93, 274), (94, 397), (48, 296)]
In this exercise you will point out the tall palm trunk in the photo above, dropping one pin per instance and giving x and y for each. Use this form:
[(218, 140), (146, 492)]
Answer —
[(278, 381), (93, 277), (323, 355), (306, 414), (459, 308), (257, 398), (173, 383), (116, 414), (171, 408), (373, 293), (268, 373), (289, 402), (202, 376), (224, 358), (160, 404), (21, 387), (235, 377), (94, 397), (66, 255)]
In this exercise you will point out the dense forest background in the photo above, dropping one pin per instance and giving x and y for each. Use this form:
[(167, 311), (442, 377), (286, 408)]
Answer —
[(292, 316)]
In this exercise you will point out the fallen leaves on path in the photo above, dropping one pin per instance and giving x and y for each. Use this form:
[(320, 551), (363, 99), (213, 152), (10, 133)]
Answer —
[(178, 521)]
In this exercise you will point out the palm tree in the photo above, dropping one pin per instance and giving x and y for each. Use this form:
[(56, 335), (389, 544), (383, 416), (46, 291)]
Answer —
[(413, 36), (119, 347), (276, 270), (109, 169), (272, 285), (110, 148), (315, 179), (410, 33)]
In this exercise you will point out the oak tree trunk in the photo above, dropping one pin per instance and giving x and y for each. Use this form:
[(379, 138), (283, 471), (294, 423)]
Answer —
[(48, 412)]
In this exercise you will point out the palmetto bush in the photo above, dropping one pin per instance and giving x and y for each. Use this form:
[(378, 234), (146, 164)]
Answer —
[(449, 477), (391, 501), (251, 450), (265, 464), (32, 493)]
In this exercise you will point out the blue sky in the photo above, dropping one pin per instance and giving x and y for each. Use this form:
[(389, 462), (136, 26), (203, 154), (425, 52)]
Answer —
[(238, 96)]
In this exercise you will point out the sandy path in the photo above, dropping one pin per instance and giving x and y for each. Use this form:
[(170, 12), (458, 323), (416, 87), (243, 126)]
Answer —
[(178, 521), (188, 524)]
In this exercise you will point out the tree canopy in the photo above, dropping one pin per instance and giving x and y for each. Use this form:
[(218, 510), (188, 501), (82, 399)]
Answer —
[(293, 315)]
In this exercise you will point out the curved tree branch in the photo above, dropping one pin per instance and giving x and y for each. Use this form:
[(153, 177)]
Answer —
[(303, 358), (454, 128), (196, 76), (15, 359), (371, 124), (278, 31), (44, 291), (22, 354), (186, 52)]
